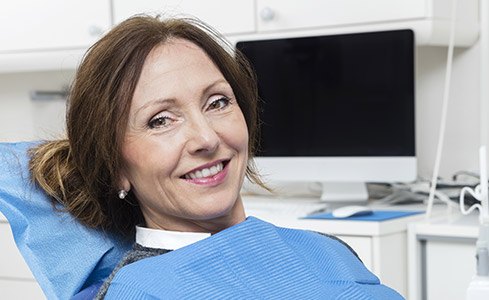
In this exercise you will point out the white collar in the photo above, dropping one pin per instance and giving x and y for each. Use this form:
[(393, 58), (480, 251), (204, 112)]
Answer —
[(166, 239)]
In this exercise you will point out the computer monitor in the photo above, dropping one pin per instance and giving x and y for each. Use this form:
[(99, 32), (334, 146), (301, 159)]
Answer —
[(337, 109)]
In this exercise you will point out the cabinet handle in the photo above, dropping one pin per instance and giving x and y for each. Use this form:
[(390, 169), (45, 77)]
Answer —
[(267, 14), (95, 31), (37, 95)]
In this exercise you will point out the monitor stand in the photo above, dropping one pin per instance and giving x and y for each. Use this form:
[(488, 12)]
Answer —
[(344, 192)]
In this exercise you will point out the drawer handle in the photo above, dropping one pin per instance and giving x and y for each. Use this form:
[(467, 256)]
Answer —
[(37, 95), (267, 14), (95, 31)]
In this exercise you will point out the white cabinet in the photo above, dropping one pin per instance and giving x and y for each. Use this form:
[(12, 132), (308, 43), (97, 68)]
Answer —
[(429, 19), (16, 280), (20, 290), (252, 19), (54, 34), (287, 15), (49, 34), (32, 25), (228, 17), (442, 257)]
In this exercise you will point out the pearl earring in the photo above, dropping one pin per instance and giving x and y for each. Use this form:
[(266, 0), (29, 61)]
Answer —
[(122, 194)]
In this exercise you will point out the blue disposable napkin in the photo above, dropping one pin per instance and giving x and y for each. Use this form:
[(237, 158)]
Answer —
[(63, 255), (252, 260)]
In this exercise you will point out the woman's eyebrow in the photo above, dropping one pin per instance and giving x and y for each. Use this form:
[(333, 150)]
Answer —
[(213, 84), (154, 102)]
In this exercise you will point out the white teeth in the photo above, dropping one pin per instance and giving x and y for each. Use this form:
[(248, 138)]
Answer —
[(205, 172)]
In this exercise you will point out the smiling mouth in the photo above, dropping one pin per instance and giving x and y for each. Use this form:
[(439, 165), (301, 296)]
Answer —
[(206, 172)]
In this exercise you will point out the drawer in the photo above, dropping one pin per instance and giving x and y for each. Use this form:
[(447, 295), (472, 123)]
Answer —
[(227, 17), (29, 25), (288, 15), (12, 264), (20, 289), (362, 246)]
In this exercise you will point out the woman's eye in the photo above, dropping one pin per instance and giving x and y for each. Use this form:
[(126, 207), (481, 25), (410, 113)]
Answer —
[(219, 103), (158, 122)]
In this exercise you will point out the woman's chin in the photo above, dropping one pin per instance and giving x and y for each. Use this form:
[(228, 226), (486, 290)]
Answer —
[(230, 214)]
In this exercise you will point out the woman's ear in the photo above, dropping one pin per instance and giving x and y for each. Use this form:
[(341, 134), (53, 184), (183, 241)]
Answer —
[(124, 183)]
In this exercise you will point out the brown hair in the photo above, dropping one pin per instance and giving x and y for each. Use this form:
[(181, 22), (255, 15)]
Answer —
[(82, 172)]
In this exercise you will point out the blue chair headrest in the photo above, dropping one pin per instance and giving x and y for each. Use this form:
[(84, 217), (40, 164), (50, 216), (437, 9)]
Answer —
[(63, 255)]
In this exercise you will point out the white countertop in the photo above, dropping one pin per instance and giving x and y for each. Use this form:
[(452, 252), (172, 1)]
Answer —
[(455, 225), (263, 208)]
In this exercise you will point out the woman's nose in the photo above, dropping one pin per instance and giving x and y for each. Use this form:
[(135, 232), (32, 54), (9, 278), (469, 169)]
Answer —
[(203, 138)]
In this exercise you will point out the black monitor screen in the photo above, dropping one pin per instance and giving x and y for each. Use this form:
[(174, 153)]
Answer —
[(338, 95)]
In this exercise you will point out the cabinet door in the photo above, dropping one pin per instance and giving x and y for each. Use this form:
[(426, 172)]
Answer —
[(16, 280), (363, 248), (33, 25), (20, 289), (283, 15), (456, 256), (228, 17), (12, 264)]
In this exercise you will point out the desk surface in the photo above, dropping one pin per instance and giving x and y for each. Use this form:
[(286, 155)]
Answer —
[(254, 204), (455, 225)]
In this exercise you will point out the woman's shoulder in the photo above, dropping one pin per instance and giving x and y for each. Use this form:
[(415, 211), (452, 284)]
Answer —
[(137, 253), (315, 239), (335, 238)]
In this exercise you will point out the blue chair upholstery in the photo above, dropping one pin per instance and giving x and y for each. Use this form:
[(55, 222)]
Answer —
[(64, 256)]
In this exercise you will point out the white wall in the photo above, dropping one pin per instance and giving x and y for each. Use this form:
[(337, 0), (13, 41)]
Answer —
[(24, 119), (462, 131)]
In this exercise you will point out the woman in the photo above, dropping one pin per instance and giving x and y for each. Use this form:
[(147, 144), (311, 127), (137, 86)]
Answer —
[(161, 132)]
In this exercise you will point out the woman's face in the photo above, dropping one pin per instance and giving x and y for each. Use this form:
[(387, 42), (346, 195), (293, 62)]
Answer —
[(186, 146)]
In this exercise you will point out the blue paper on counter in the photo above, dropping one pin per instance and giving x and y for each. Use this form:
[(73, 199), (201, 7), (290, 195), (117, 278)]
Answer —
[(63, 255), (376, 216)]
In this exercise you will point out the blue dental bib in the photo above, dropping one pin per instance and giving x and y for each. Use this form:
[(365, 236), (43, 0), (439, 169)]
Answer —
[(252, 260)]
